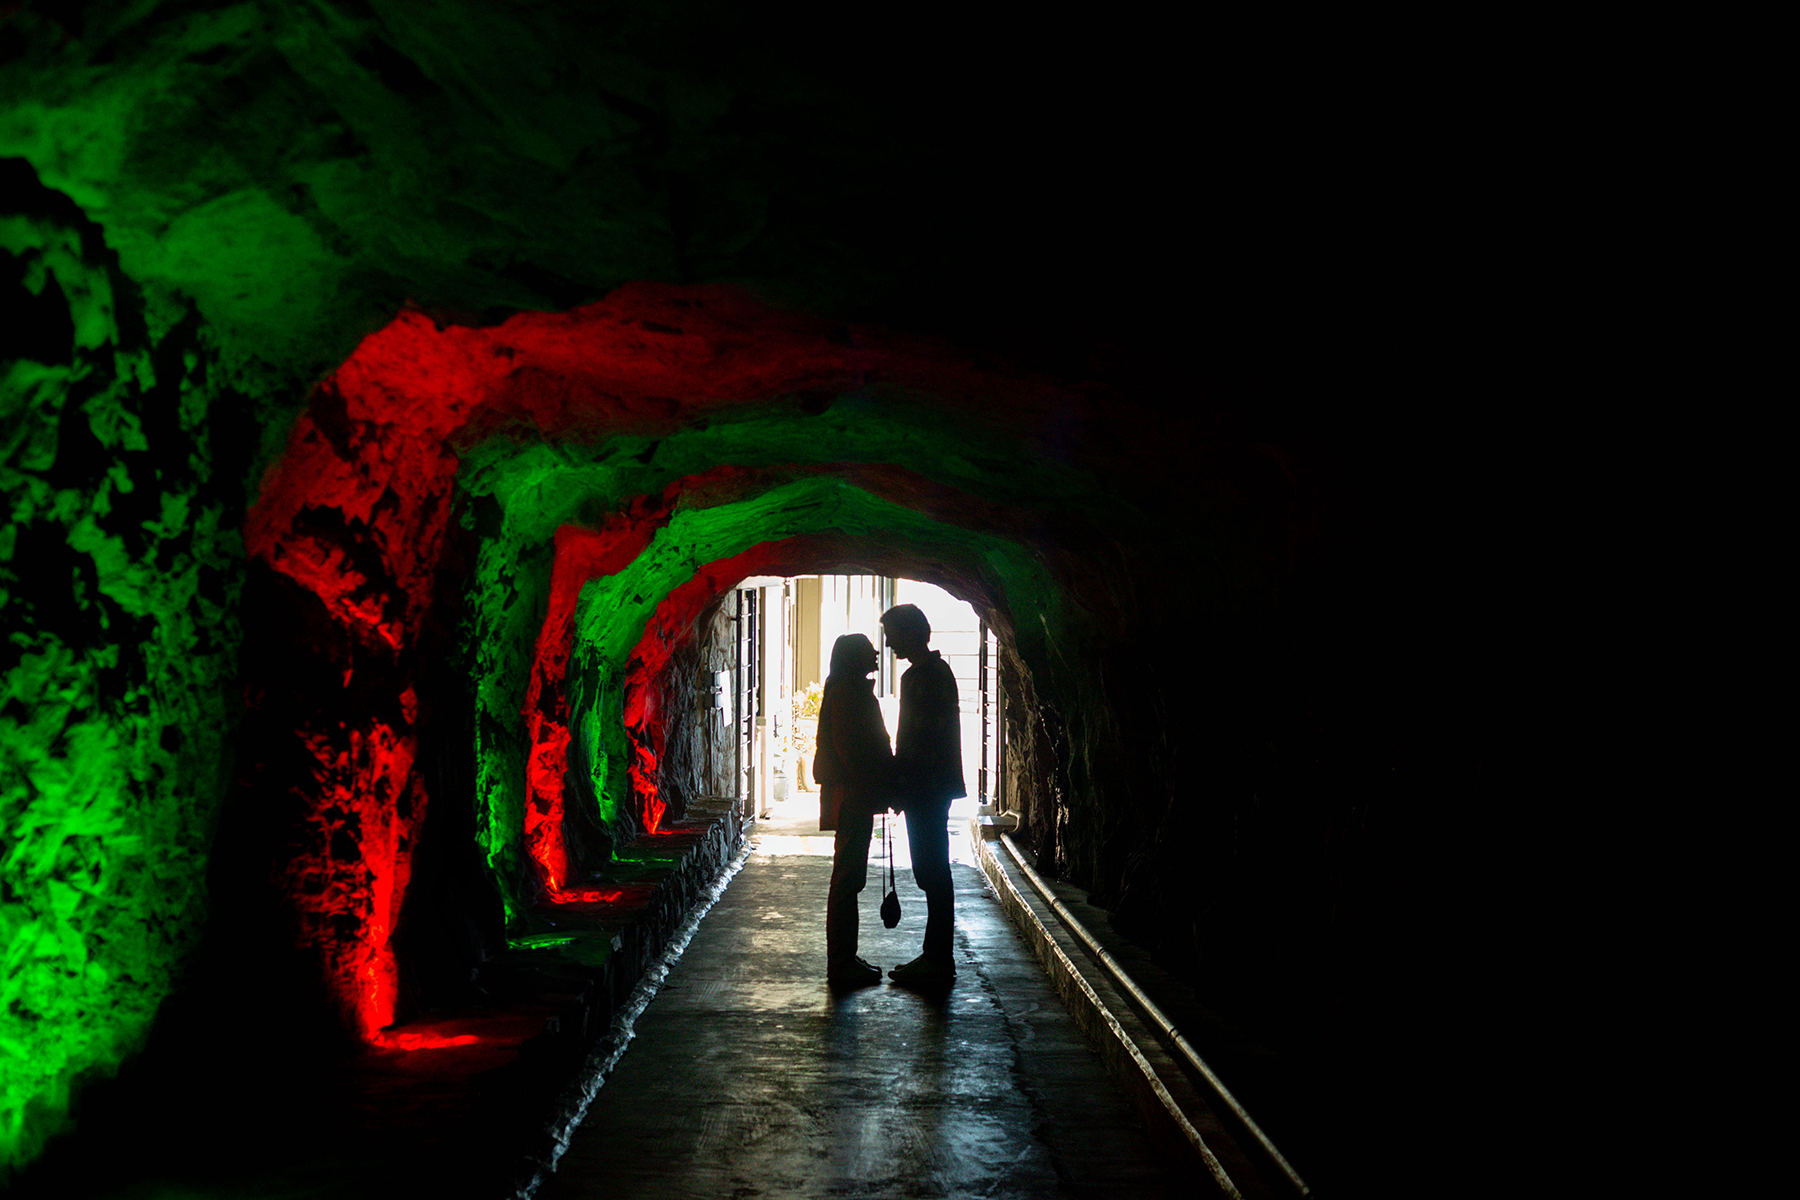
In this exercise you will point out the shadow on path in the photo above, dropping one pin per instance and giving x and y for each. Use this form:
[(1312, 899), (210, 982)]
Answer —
[(748, 1077)]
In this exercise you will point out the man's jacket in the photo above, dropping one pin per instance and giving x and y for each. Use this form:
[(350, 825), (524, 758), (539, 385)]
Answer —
[(928, 742)]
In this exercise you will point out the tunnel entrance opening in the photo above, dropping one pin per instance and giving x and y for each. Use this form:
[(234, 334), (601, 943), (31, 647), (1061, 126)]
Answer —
[(764, 655), (711, 702)]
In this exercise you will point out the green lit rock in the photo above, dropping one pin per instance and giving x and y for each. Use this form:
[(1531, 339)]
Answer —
[(118, 567)]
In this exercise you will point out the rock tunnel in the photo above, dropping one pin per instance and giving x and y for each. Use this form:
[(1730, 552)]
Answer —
[(577, 489), (393, 397)]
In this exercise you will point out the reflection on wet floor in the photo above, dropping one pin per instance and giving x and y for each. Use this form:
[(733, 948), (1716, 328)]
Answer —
[(792, 827), (749, 1077)]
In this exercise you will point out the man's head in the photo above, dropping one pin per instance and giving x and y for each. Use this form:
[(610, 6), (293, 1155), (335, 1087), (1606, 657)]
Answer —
[(907, 630)]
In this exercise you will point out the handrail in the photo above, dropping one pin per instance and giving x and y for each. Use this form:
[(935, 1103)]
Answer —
[(1155, 1014)]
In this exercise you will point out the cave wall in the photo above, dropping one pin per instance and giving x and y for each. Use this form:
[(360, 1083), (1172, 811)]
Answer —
[(706, 754), (605, 519), (123, 450), (269, 252), (616, 472)]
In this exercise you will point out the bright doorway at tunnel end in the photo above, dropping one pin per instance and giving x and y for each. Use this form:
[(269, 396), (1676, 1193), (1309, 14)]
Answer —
[(804, 616)]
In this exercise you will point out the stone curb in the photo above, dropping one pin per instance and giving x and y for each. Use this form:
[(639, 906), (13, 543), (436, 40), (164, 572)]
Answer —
[(655, 938)]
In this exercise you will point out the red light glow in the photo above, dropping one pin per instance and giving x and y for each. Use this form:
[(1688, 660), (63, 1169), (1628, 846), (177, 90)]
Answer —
[(581, 555), (390, 1040), (356, 511), (367, 798), (587, 896)]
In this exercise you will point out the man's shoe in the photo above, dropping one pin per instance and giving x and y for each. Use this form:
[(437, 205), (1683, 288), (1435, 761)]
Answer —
[(923, 972), (851, 973)]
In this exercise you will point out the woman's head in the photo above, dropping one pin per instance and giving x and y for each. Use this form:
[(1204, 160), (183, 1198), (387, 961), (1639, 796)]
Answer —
[(852, 657)]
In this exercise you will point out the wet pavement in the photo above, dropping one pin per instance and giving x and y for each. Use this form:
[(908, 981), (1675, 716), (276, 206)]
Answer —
[(748, 1077)]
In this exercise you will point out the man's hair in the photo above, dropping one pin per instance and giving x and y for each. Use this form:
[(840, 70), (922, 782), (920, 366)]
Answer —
[(906, 618)]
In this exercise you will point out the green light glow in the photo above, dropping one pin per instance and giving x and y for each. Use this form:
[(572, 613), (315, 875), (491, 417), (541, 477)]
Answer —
[(114, 718), (508, 600), (540, 487), (614, 609)]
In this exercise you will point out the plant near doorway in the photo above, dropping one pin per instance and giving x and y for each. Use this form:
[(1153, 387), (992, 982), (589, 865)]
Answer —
[(806, 732)]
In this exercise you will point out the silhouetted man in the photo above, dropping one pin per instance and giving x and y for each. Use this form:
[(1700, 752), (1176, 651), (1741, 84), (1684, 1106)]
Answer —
[(928, 763)]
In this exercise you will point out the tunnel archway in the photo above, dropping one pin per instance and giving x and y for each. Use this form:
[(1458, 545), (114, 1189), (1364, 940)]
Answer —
[(774, 530), (404, 555), (603, 473), (1247, 474), (634, 695)]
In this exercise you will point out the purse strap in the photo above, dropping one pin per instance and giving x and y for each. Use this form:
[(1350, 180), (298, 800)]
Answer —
[(887, 846)]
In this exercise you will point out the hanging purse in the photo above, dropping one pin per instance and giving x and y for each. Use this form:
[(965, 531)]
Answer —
[(890, 904)]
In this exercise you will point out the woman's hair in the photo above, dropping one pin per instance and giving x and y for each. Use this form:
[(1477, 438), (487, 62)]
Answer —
[(848, 656)]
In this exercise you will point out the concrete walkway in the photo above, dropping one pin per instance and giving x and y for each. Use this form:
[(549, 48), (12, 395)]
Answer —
[(748, 1077)]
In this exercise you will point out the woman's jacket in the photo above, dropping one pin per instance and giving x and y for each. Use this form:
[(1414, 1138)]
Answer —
[(852, 764)]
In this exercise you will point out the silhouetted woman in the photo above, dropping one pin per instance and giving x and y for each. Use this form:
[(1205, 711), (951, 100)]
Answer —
[(854, 768)]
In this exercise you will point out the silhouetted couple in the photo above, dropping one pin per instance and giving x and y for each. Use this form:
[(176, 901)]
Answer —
[(859, 777)]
